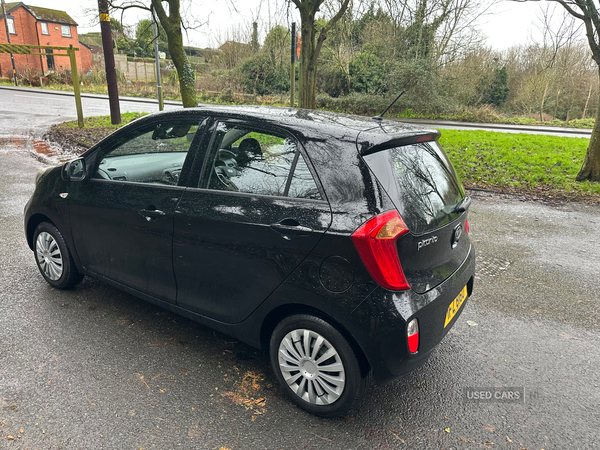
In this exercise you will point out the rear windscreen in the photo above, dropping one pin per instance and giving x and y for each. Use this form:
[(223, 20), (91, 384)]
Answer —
[(421, 182)]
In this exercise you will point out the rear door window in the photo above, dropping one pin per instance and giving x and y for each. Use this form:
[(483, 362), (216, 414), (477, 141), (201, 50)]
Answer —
[(421, 182), (254, 161)]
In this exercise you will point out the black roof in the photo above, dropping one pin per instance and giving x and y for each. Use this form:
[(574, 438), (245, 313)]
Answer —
[(369, 134)]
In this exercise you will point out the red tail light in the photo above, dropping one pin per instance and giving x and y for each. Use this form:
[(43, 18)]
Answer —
[(467, 225), (412, 333), (375, 242)]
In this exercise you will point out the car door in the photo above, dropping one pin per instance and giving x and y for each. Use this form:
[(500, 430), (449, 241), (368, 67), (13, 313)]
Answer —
[(122, 214), (256, 214)]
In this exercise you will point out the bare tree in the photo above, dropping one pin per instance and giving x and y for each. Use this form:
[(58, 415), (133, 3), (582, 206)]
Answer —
[(440, 30), (312, 42)]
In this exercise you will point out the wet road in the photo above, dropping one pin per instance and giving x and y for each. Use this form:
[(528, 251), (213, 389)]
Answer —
[(41, 107), (96, 368)]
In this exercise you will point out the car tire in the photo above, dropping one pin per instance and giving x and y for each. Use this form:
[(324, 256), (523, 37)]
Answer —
[(53, 257), (326, 393)]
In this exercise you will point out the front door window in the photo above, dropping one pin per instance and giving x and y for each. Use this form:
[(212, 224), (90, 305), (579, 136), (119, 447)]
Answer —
[(154, 155)]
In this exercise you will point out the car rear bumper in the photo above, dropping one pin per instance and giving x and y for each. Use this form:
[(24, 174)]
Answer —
[(383, 316)]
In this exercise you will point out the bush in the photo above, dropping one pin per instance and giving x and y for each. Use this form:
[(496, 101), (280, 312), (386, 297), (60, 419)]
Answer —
[(425, 90), (259, 75), (355, 103), (331, 80), (366, 73)]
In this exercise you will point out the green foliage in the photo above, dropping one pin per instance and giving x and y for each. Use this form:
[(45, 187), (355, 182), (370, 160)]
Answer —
[(498, 91), (366, 72), (333, 81), (425, 90), (116, 26), (355, 103), (260, 75)]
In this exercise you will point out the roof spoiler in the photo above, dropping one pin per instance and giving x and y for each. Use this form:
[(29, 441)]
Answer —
[(368, 147)]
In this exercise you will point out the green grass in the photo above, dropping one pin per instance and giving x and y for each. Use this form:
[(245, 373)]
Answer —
[(524, 163), (485, 115), (104, 121)]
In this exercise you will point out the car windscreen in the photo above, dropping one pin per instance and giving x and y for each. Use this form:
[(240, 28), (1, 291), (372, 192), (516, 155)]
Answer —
[(421, 182)]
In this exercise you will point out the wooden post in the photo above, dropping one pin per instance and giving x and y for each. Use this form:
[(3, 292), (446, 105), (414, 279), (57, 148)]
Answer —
[(75, 78)]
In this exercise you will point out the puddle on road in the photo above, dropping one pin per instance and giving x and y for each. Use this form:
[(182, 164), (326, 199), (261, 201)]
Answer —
[(38, 148), (491, 265), (44, 148)]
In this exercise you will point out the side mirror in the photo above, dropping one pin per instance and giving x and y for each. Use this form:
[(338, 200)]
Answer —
[(74, 170)]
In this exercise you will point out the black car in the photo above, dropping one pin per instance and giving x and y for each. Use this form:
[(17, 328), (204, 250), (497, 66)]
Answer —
[(339, 244)]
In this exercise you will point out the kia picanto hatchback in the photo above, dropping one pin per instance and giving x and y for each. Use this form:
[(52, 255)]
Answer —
[(338, 244)]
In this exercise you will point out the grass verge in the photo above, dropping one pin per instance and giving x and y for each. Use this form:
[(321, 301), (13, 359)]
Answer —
[(539, 165), (69, 135)]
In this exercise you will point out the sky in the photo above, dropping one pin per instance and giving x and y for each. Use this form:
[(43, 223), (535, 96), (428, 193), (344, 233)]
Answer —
[(506, 23)]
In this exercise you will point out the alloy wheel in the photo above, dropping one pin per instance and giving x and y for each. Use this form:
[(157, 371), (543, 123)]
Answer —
[(311, 367), (49, 256)]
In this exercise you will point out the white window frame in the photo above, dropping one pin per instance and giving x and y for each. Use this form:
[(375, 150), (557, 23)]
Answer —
[(45, 29), (10, 23), (64, 28)]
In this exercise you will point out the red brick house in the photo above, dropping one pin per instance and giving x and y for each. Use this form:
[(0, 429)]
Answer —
[(33, 25)]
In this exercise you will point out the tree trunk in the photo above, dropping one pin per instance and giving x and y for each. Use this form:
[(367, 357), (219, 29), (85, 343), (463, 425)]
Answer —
[(587, 101), (308, 74), (187, 80), (311, 47), (542, 104), (590, 170), (185, 72)]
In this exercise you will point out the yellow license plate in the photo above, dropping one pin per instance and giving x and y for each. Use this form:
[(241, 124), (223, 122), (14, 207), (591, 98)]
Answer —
[(455, 306)]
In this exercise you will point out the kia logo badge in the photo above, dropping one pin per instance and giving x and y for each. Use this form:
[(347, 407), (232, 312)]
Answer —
[(456, 235)]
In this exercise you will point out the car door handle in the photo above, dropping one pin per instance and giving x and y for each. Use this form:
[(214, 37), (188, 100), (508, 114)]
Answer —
[(150, 214), (290, 226)]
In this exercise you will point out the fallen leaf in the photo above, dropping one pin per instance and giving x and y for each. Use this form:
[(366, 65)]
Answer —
[(395, 433), (508, 439), (447, 430), (567, 336), (471, 323), (321, 437), (10, 438), (142, 379), (489, 427)]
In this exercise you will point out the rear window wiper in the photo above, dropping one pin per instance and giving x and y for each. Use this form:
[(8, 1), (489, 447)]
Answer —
[(463, 205)]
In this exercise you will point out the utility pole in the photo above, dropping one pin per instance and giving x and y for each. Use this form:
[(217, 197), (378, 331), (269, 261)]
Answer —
[(161, 103), (109, 63), (12, 59), (293, 66)]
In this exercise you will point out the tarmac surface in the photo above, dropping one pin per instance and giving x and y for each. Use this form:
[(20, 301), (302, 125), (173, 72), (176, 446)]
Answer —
[(94, 367)]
